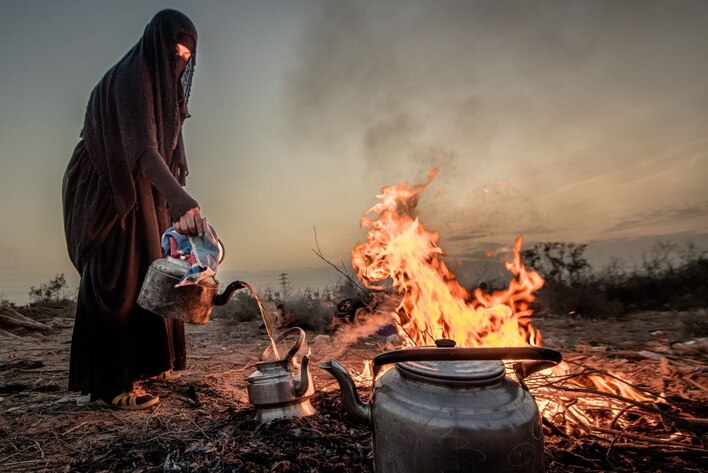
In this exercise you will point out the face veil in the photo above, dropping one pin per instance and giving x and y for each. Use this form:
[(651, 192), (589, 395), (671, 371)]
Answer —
[(187, 74)]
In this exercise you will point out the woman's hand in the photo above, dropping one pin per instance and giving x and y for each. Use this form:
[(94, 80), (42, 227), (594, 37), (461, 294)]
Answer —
[(191, 223)]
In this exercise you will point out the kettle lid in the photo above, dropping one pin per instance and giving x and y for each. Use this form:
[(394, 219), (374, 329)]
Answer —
[(454, 372)]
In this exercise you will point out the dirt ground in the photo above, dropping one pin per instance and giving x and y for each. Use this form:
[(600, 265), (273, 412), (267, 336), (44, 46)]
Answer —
[(205, 423)]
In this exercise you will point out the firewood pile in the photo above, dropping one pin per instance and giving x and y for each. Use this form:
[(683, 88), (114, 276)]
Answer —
[(596, 419)]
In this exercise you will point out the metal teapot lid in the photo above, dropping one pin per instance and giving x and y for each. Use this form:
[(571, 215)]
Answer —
[(448, 365), (455, 372)]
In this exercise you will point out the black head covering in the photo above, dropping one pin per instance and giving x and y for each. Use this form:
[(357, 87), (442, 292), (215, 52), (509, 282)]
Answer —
[(140, 104)]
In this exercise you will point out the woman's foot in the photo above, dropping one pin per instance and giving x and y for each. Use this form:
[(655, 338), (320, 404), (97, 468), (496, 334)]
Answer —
[(134, 400)]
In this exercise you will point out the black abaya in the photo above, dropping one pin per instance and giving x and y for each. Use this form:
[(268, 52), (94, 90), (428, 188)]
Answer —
[(114, 217)]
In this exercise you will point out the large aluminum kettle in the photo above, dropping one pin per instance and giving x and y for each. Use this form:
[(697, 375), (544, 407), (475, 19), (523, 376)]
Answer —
[(191, 303), (451, 409)]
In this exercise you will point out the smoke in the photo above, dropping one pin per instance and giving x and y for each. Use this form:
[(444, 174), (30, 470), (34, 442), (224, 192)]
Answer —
[(410, 77), (540, 94), (349, 334)]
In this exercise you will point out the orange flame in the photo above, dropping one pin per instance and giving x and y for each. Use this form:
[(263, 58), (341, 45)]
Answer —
[(365, 375), (434, 304), (399, 248), (614, 385), (366, 372)]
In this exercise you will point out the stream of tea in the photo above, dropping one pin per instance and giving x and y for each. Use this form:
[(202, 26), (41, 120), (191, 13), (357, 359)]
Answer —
[(266, 320)]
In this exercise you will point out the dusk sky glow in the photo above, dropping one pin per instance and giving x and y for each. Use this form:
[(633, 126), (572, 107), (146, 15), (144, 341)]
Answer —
[(583, 121)]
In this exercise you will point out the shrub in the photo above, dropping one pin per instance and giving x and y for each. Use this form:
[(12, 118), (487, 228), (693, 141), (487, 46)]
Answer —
[(5, 302), (669, 277), (308, 313), (241, 308), (54, 290), (560, 263)]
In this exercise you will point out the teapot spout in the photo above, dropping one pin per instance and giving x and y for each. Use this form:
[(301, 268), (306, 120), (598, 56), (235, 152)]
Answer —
[(353, 405), (301, 387), (224, 297)]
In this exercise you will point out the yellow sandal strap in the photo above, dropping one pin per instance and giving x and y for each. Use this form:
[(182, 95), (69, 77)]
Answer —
[(120, 400), (129, 400)]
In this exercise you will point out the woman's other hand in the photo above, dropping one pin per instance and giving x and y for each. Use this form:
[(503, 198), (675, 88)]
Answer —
[(191, 223)]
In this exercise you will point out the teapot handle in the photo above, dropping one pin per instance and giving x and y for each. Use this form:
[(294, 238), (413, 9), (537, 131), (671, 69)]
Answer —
[(543, 357), (223, 250), (300, 344)]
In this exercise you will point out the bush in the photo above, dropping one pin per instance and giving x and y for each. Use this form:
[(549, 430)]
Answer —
[(54, 290), (681, 288), (241, 308), (308, 313), (581, 299), (560, 263), (669, 277), (5, 302)]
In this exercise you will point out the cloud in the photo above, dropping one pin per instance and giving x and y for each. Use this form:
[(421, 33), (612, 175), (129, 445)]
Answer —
[(472, 235), (669, 215)]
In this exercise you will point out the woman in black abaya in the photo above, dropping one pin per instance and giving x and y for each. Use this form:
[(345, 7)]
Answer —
[(122, 189)]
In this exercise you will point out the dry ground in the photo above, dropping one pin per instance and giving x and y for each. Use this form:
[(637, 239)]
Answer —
[(205, 423)]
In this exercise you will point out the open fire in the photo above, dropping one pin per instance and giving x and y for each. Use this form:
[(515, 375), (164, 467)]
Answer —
[(434, 304)]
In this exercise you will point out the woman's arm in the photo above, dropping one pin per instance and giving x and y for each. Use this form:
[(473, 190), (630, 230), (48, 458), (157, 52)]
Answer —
[(183, 208)]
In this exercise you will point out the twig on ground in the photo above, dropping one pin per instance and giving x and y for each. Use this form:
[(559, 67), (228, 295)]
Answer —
[(644, 438), (3, 460), (200, 429), (694, 383), (235, 370), (619, 414)]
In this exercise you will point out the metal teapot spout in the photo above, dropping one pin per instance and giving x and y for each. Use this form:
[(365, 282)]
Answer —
[(360, 410), (224, 297), (301, 387)]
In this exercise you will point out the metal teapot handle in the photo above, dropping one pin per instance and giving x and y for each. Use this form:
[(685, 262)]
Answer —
[(300, 344), (543, 357), (223, 250)]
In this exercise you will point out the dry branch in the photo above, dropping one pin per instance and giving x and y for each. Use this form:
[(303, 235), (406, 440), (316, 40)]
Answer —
[(6, 334), (319, 254), (15, 319)]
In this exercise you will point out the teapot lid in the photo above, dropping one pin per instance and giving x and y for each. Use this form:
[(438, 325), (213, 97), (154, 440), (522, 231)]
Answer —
[(454, 372)]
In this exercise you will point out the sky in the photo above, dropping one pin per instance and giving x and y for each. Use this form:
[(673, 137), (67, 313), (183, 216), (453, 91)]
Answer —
[(579, 121)]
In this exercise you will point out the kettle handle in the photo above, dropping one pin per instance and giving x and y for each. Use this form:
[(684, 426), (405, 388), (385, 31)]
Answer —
[(301, 340), (223, 250), (543, 357)]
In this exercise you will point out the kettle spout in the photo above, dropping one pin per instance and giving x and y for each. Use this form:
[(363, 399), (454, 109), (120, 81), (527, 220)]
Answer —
[(301, 387), (224, 297), (361, 411)]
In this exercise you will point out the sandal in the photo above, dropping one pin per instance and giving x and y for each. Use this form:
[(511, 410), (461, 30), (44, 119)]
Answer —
[(134, 400)]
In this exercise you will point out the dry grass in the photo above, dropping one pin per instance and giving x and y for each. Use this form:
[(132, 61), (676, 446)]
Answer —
[(205, 422)]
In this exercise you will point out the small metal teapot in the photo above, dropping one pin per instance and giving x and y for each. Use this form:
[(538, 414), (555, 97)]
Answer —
[(440, 411), (191, 303), (282, 388)]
